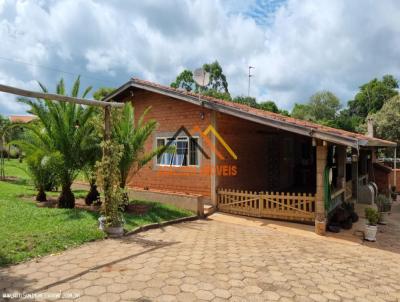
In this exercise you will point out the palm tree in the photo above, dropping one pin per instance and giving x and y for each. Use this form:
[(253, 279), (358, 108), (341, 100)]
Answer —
[(89, 171), (133, 136), (65, 129), (42, 172), (4, 126), (41, 165)]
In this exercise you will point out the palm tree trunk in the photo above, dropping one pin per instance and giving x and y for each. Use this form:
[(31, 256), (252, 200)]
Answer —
[(66, 198), (125, 196), (41, 195), (92, 195)]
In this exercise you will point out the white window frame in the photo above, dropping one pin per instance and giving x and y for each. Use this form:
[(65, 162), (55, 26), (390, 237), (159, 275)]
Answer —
[(181, 138)]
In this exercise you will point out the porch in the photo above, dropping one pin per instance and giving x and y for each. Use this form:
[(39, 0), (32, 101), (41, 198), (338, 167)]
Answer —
[(288, 176)]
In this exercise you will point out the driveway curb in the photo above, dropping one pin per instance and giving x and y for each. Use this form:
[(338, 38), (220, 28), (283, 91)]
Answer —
[(146, 227)]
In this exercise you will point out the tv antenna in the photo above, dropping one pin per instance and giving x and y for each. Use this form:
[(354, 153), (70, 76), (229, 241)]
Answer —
[(202, 78), (250, 75)]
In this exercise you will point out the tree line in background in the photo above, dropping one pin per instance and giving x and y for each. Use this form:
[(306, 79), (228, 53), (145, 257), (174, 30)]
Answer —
[(378, 99), (218, 88)]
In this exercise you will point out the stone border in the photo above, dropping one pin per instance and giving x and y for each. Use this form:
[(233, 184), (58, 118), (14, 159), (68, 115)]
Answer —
[(146, 227), (191, 202)]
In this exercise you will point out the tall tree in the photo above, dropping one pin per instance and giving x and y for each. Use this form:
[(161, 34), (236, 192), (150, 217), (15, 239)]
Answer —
[(387, 120), (102, 92), (218, 82), (185, 81), (64, 129), (266, 105), (269, 106), (217, 77), (322, 107), (246, 100), (346, 121), (373, 95), (301, 111)]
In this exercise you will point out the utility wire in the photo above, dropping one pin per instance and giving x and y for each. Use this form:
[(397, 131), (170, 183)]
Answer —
[(58, 70)]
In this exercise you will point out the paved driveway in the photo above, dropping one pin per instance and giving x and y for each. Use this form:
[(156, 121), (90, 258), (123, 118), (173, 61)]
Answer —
[(215, 260)]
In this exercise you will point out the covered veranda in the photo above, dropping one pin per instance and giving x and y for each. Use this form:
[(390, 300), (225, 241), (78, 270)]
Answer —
[(291, 176)]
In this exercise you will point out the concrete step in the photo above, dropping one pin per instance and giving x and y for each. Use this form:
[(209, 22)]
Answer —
[(209, 209)]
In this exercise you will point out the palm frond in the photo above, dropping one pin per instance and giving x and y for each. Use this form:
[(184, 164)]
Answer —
[(75, 87), (44, 89)]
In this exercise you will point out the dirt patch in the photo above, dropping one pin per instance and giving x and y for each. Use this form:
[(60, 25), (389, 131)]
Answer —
[(137, 208), (79, 204)]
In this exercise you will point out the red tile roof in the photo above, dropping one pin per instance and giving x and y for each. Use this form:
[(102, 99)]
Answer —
[(260, 113), (21, 118)]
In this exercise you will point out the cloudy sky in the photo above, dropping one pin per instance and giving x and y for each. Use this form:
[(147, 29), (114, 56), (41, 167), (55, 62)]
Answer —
[(296, 46)]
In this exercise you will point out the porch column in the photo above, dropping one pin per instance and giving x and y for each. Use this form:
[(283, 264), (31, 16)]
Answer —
[(354, 173), (320, 217), (341, 164), (213, 174)]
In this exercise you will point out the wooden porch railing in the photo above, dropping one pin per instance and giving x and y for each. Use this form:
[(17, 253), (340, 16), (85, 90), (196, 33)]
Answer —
[(281, 205), (348, 193)]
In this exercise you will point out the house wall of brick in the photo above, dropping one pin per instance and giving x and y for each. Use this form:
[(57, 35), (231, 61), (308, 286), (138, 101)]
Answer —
[(267, 157), (171, 114), (249, 142), (382, 178), (397, 182)]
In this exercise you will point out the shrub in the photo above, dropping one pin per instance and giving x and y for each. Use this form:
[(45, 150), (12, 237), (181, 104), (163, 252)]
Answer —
[(372, 216), (384, 203), (42, 170)]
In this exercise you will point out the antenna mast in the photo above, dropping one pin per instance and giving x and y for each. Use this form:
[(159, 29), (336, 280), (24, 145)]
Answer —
[(250, 75)]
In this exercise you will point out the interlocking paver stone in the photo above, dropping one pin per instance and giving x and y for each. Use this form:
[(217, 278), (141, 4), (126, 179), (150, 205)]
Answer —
[(95, 290), (204, 295), (131, 295), (217, 261)]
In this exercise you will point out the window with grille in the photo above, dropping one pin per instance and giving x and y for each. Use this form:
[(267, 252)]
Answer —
[(183, 151)]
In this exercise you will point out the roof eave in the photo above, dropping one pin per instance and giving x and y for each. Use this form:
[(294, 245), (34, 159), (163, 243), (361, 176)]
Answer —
[(376, 143), (302, 130)]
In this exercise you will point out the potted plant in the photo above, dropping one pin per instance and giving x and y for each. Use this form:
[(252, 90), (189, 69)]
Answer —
[(114, 227), (372, 217), (384, 207)]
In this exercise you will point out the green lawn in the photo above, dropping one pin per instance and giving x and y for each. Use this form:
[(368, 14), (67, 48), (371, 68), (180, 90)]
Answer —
[(27, 231)]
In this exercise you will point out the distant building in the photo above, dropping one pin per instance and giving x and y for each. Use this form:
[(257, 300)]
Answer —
[(21, 118)]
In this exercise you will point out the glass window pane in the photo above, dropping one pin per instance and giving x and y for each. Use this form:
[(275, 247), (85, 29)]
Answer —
[(193, 156), (181, 153), (160, 142), (166, 158)]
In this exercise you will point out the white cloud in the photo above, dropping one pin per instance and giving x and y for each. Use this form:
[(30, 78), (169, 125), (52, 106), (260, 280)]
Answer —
[(297, 47), (8, 104)]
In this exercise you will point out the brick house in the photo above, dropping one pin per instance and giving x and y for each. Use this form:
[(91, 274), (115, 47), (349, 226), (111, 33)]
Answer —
[(255, 163)]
